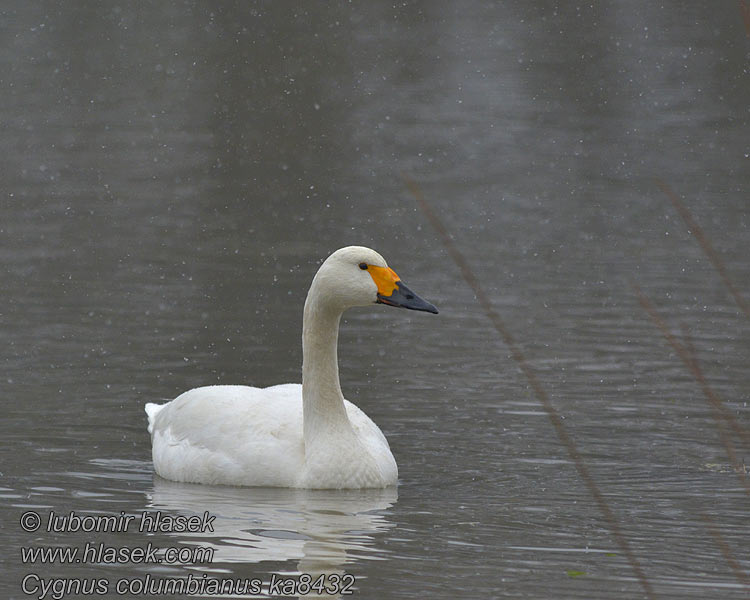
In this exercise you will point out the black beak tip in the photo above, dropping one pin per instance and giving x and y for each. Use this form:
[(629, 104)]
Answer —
[(403, 297)]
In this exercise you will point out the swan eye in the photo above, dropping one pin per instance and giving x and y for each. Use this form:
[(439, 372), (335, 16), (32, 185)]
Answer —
[(363, 266)]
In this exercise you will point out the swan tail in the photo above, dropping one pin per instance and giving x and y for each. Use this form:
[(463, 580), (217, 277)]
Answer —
[(152, 410)]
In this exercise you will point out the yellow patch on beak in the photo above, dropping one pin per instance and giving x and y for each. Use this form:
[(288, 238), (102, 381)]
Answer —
[(384, 278)]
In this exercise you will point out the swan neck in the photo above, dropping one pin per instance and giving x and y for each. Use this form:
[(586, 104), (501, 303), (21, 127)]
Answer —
[(322, 401)]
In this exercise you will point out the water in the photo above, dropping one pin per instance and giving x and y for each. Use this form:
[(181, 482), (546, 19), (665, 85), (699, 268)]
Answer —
[(172, 177)]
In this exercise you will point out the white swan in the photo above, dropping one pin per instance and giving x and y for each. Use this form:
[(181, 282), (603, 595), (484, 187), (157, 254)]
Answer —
[(290, 435)]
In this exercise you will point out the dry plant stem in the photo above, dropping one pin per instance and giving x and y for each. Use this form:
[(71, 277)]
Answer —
[(726, 551), (700, 235), (745, 8), (718, 409), (688, 345), (552, 413)]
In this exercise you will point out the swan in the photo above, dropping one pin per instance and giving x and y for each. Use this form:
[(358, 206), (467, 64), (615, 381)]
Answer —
[(289, 435)]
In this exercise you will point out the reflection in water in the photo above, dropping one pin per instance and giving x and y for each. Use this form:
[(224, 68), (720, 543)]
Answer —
[(318, 528)]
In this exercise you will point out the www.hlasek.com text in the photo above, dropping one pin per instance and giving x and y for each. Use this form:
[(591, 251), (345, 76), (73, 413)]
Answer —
[(93, 553)]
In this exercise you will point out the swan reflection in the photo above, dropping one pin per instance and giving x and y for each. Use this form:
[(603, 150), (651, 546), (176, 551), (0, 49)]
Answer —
[(321, 529)]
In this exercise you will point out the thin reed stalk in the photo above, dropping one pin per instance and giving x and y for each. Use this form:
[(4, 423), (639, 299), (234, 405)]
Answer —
[(745, 9), (704, 242), (726, 551), (719, 410), (552, 413)]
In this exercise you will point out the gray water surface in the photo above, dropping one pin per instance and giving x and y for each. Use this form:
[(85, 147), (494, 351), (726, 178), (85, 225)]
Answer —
[(172, 176)]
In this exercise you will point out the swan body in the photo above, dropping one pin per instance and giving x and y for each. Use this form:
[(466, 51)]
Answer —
[(241, 435), (290, 435)]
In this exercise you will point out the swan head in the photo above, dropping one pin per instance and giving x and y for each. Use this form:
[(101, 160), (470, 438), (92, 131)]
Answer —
[(359, 276)]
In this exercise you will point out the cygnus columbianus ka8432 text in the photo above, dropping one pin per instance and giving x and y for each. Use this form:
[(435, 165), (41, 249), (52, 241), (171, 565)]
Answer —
[(289, 435)]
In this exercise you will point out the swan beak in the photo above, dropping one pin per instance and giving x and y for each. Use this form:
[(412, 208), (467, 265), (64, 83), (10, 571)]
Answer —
[(402, 296), (394, 293)]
